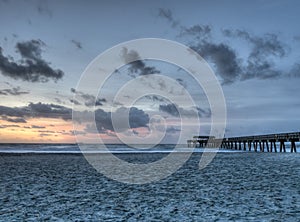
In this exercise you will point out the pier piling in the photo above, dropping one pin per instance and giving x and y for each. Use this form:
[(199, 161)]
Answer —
[(259, 142)]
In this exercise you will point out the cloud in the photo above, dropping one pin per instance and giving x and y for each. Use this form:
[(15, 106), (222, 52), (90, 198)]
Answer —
[(77, 132), (9, 111), (46, 131), (172, 130), (200, 32), (295, 71), (50, 111), (137, 118), (156, 98), (58, 100), (258, 64), (100, 101), (297, 38), (171, 109), (37, 110), (88, 99), (37, 127), (77, 44), (175, 110), (223, 56), (43, 9), (181, 82), (168, 15), (91, 101), (203, 112), (136, 66), (261, 70), (264, 46), (45, 134), (16, 91), (9, 126), (74, 101), (32, 67), (14, 120), (103, 120)]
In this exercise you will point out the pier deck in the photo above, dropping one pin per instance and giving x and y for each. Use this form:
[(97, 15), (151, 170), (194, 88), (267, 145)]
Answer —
[(256, 143)]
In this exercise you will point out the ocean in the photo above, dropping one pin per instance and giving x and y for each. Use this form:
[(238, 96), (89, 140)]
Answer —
[(56, 183)]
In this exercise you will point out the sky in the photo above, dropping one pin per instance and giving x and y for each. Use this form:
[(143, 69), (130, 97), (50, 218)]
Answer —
[(45, 47)]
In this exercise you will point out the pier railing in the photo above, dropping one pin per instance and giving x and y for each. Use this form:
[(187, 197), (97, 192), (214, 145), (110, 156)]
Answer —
[(260, 143)]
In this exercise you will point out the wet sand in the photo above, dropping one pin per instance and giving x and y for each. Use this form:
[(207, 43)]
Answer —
[(235, 186)]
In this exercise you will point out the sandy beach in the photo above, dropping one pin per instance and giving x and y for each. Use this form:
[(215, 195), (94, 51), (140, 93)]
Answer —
[(235, 186)]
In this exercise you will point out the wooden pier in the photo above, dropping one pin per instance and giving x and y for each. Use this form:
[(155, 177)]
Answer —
[(262, 143)]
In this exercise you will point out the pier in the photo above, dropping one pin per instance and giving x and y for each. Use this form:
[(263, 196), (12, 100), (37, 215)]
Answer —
[(261, 143)]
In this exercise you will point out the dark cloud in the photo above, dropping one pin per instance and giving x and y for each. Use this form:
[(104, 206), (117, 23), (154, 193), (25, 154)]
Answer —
[(37, 110), (171, 109), (224, 58), (103, 120), (37, 127), (77, 44), (9, 126), (43, 8), (199, 32), (50, 111), (155, 98), (297, 38), (263, 49), (172, 130), (295, 71), (100, 101), (46, 131), (77, 132), (32, 67), (168, 15), (58, 100), (175, 110), (14, 120), (45, 134), (88, 99), (74, 101), (228, 65), (13, 111), (16, 91), (137, 118), (116, 103), (264, 46), (181, 82), (203, 112), (136, 66), (260, 69), (30, 49), (220, 54)]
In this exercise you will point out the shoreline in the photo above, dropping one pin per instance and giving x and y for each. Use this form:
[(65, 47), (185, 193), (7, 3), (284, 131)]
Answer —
[(125, 152)]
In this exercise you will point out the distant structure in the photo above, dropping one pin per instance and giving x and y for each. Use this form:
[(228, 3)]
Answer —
[(260, 143)]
